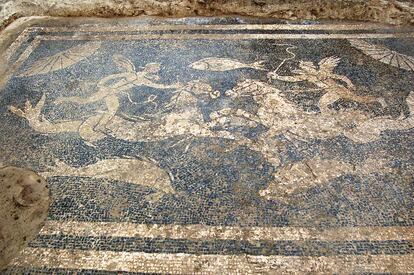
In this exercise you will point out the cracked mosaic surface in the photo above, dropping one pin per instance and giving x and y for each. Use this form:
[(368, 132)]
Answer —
[(215, 145)]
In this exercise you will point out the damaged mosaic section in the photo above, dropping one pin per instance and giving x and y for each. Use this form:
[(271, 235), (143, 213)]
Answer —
[(25, 202), (261, 138)]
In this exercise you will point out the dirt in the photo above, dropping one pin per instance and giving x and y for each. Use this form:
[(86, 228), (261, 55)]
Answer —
[(384, 11), (24, 200)]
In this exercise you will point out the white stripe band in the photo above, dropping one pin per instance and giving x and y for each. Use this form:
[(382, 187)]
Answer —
[(210, 264), (204, 232)]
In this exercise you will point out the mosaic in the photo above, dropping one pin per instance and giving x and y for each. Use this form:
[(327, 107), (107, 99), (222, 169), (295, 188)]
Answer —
[(215, 145)]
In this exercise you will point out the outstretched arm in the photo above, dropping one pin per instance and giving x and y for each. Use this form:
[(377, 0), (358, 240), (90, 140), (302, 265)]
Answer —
[(294, 78), (163, 86), (103, 82), (104, 90)]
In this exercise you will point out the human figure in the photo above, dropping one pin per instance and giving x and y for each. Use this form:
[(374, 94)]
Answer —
[(121, 83), (327, 80)]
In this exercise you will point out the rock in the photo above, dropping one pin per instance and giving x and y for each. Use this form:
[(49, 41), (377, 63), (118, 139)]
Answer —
[(385, 11), (24, 200)]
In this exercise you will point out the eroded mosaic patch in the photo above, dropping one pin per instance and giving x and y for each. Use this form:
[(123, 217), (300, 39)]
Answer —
[(271, 130)]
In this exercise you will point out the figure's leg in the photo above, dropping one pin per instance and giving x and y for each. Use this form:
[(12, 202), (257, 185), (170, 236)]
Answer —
[(326, 100), (99, 95), (112, 104), (368, 99)]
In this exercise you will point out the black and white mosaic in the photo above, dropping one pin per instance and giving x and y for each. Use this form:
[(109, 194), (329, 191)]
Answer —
[(161, 137)]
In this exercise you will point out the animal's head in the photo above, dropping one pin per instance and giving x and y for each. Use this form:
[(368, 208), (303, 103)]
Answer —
[(199, 65), (199, 87), (249, 87), (240, 90)]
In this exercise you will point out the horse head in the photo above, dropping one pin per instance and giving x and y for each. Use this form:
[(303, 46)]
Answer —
[(198, 87), (253, 88)]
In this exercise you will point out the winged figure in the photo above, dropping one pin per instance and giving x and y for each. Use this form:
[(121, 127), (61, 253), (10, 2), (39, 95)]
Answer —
[(112, 85), (323, 76)]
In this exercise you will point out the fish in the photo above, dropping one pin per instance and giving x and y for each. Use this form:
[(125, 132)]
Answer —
[(144, 172), (223, 64), (300, 176)]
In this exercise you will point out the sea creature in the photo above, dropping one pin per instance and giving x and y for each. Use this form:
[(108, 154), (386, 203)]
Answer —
[(303, 175), (184, 118), (144, 172), (224, 64)]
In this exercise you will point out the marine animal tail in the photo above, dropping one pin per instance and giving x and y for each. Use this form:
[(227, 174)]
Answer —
[(59, 168), (258, 65)]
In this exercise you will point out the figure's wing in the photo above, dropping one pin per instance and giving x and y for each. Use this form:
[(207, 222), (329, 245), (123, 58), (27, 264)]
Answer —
[(123, 62), (307, 64), (62, 59), (384, 55), (329, 63)]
